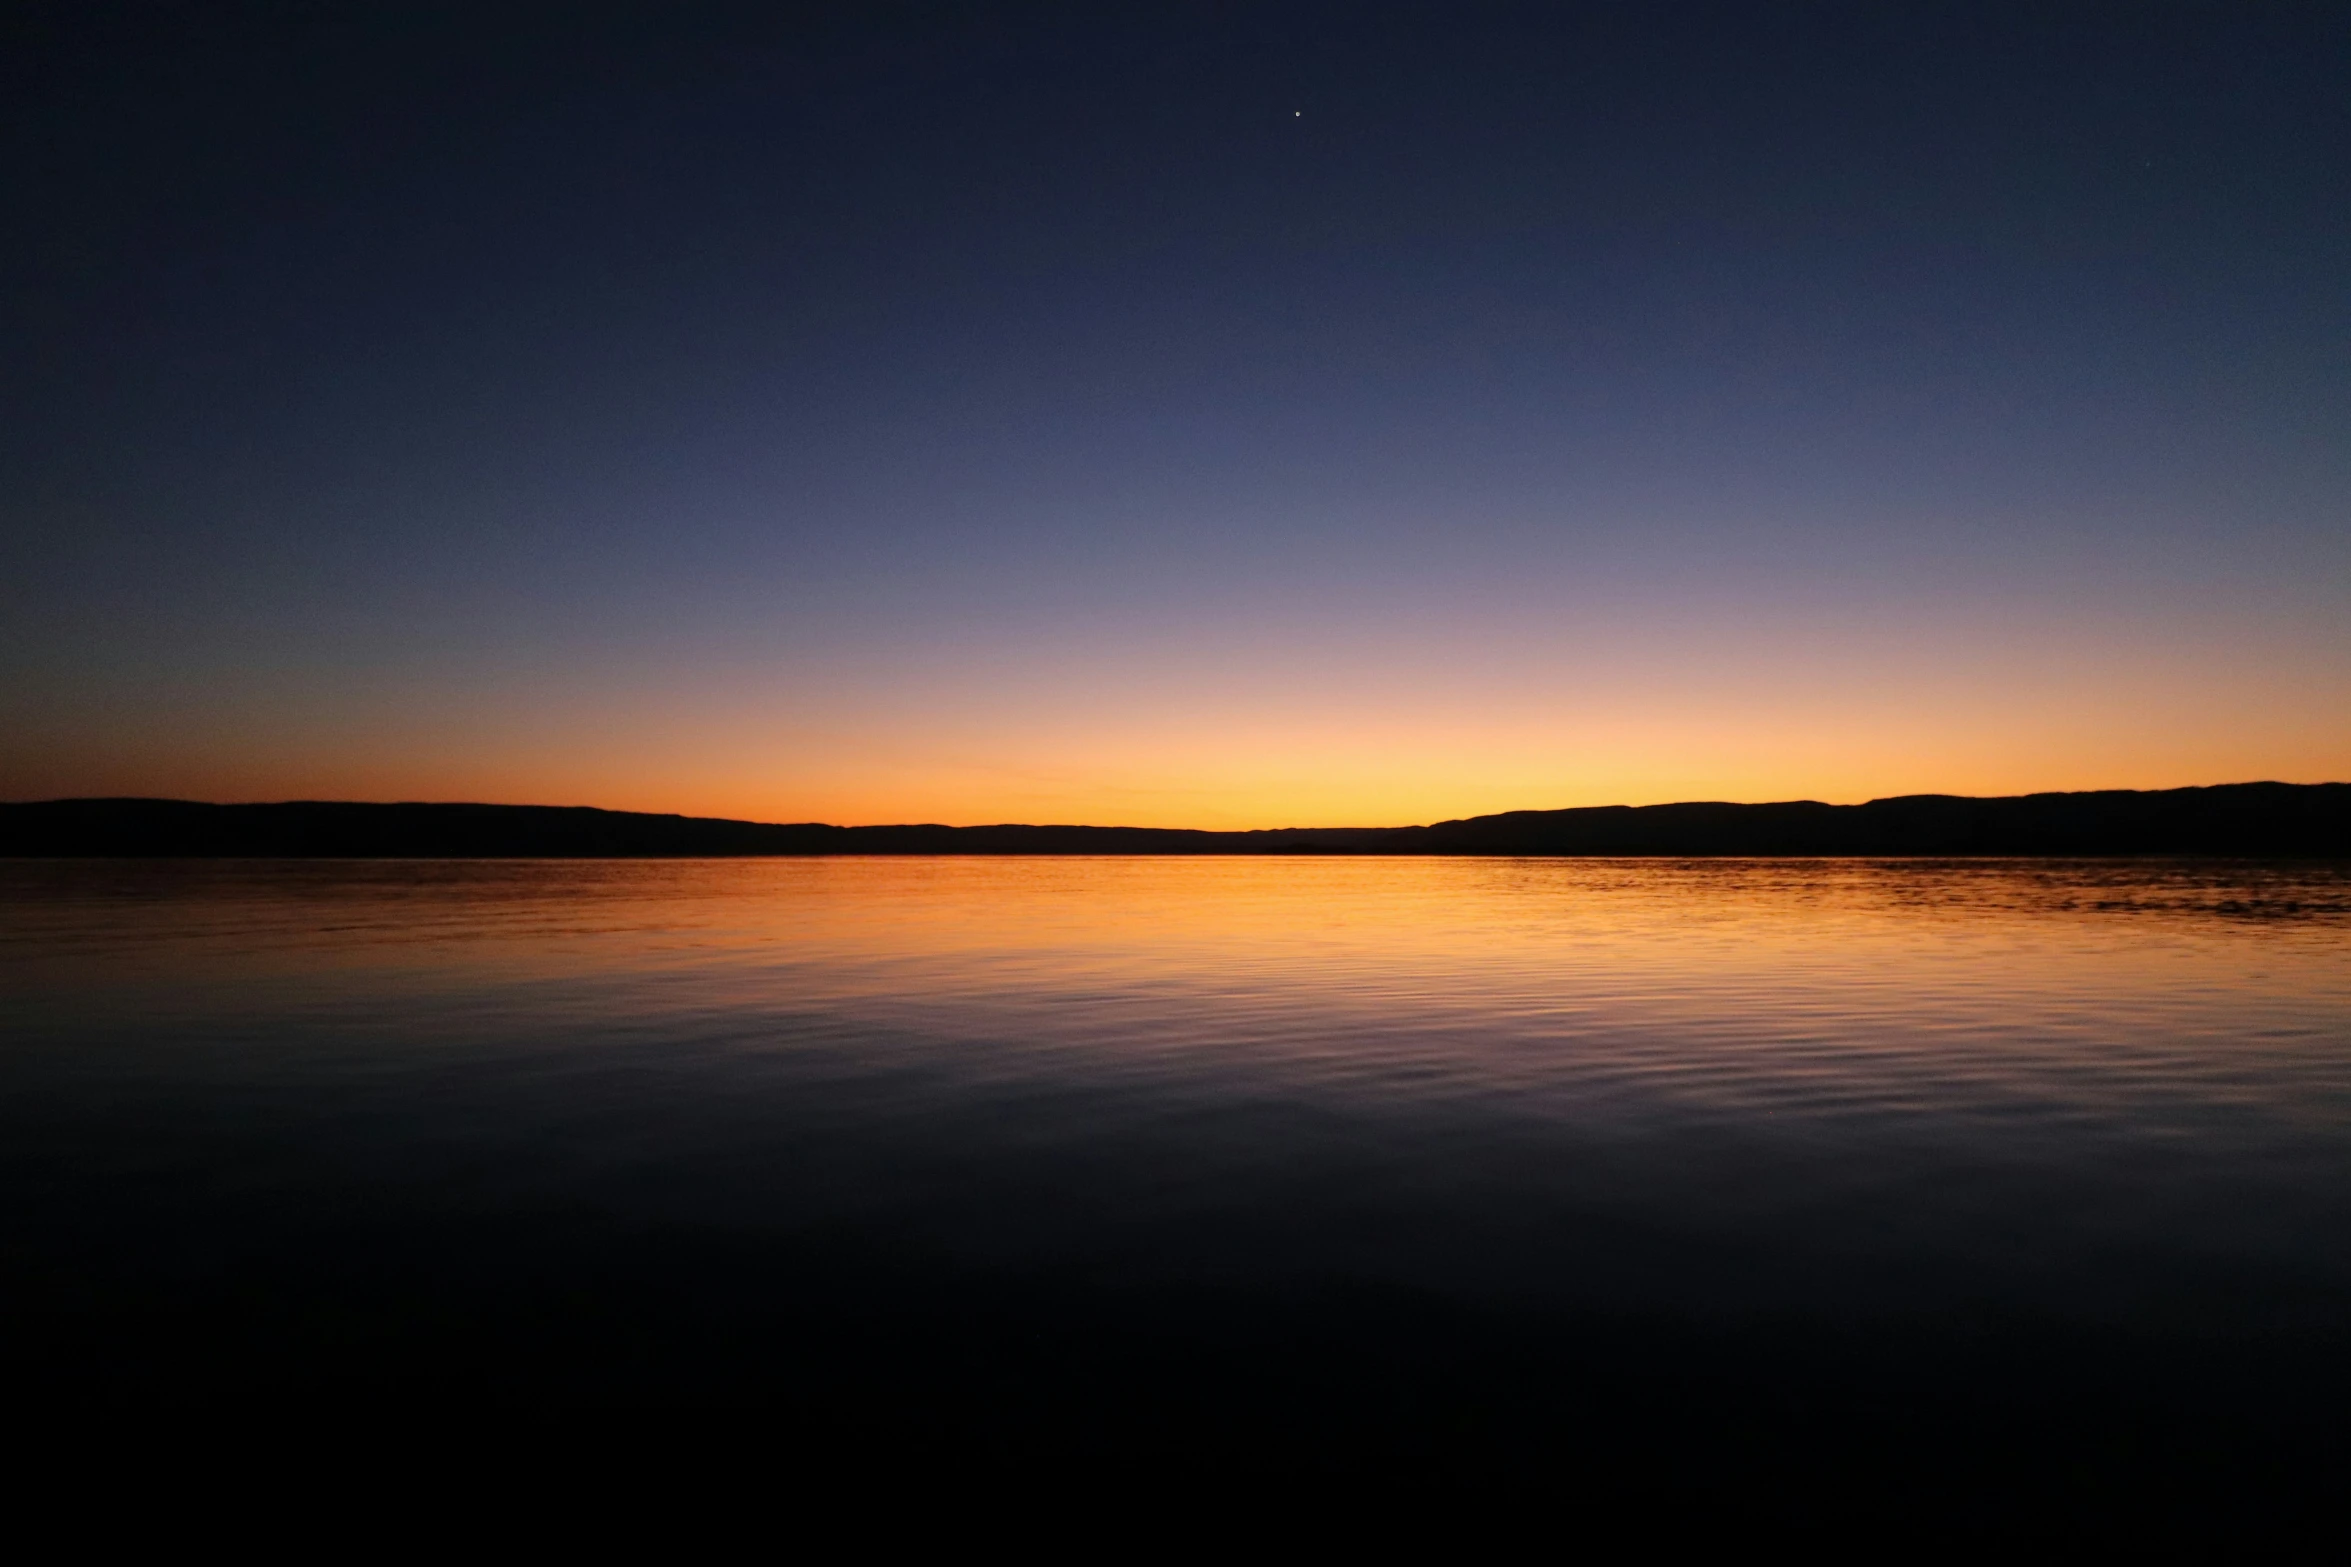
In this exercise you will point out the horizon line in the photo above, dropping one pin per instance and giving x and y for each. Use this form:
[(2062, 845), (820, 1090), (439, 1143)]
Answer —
[(1662, 805)]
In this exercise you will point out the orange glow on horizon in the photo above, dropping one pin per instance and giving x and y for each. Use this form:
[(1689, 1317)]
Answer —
[(1268, 775), (1365, 734)]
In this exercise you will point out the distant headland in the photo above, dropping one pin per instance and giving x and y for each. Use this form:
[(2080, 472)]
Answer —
[(2227, 819)]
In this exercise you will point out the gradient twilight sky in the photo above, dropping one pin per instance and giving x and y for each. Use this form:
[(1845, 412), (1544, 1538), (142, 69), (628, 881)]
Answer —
[(1213, 416)]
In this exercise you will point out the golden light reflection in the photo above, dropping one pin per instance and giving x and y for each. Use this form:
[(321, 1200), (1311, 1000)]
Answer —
[(1987, 941)]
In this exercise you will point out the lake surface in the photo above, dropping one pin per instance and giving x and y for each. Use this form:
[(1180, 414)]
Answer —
[(1305, 1158)]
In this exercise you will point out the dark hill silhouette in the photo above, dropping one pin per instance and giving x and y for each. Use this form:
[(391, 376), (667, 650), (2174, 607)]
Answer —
[(2228, 819)]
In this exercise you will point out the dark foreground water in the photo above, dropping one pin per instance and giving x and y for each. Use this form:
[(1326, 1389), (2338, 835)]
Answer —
[(2038, 1171)]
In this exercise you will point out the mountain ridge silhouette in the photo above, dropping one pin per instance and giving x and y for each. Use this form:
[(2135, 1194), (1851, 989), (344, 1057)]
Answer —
[(2257, 819)]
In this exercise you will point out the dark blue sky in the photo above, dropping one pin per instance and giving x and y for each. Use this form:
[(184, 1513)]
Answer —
[(1225, 414)]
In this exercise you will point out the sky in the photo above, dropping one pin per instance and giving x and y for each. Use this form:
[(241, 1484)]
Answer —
[(1219, 416)]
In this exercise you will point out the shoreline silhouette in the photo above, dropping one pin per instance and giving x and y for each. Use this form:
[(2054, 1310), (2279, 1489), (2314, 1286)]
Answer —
[(2246, 819)]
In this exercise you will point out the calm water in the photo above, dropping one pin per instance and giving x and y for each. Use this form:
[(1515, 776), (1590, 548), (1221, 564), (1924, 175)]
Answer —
[(1310, 1145)]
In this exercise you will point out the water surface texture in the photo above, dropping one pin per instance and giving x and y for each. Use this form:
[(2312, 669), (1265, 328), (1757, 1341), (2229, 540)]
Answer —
[(990, 1140)]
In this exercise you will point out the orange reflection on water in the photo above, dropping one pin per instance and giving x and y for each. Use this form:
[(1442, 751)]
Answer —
[(1743, 980)]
